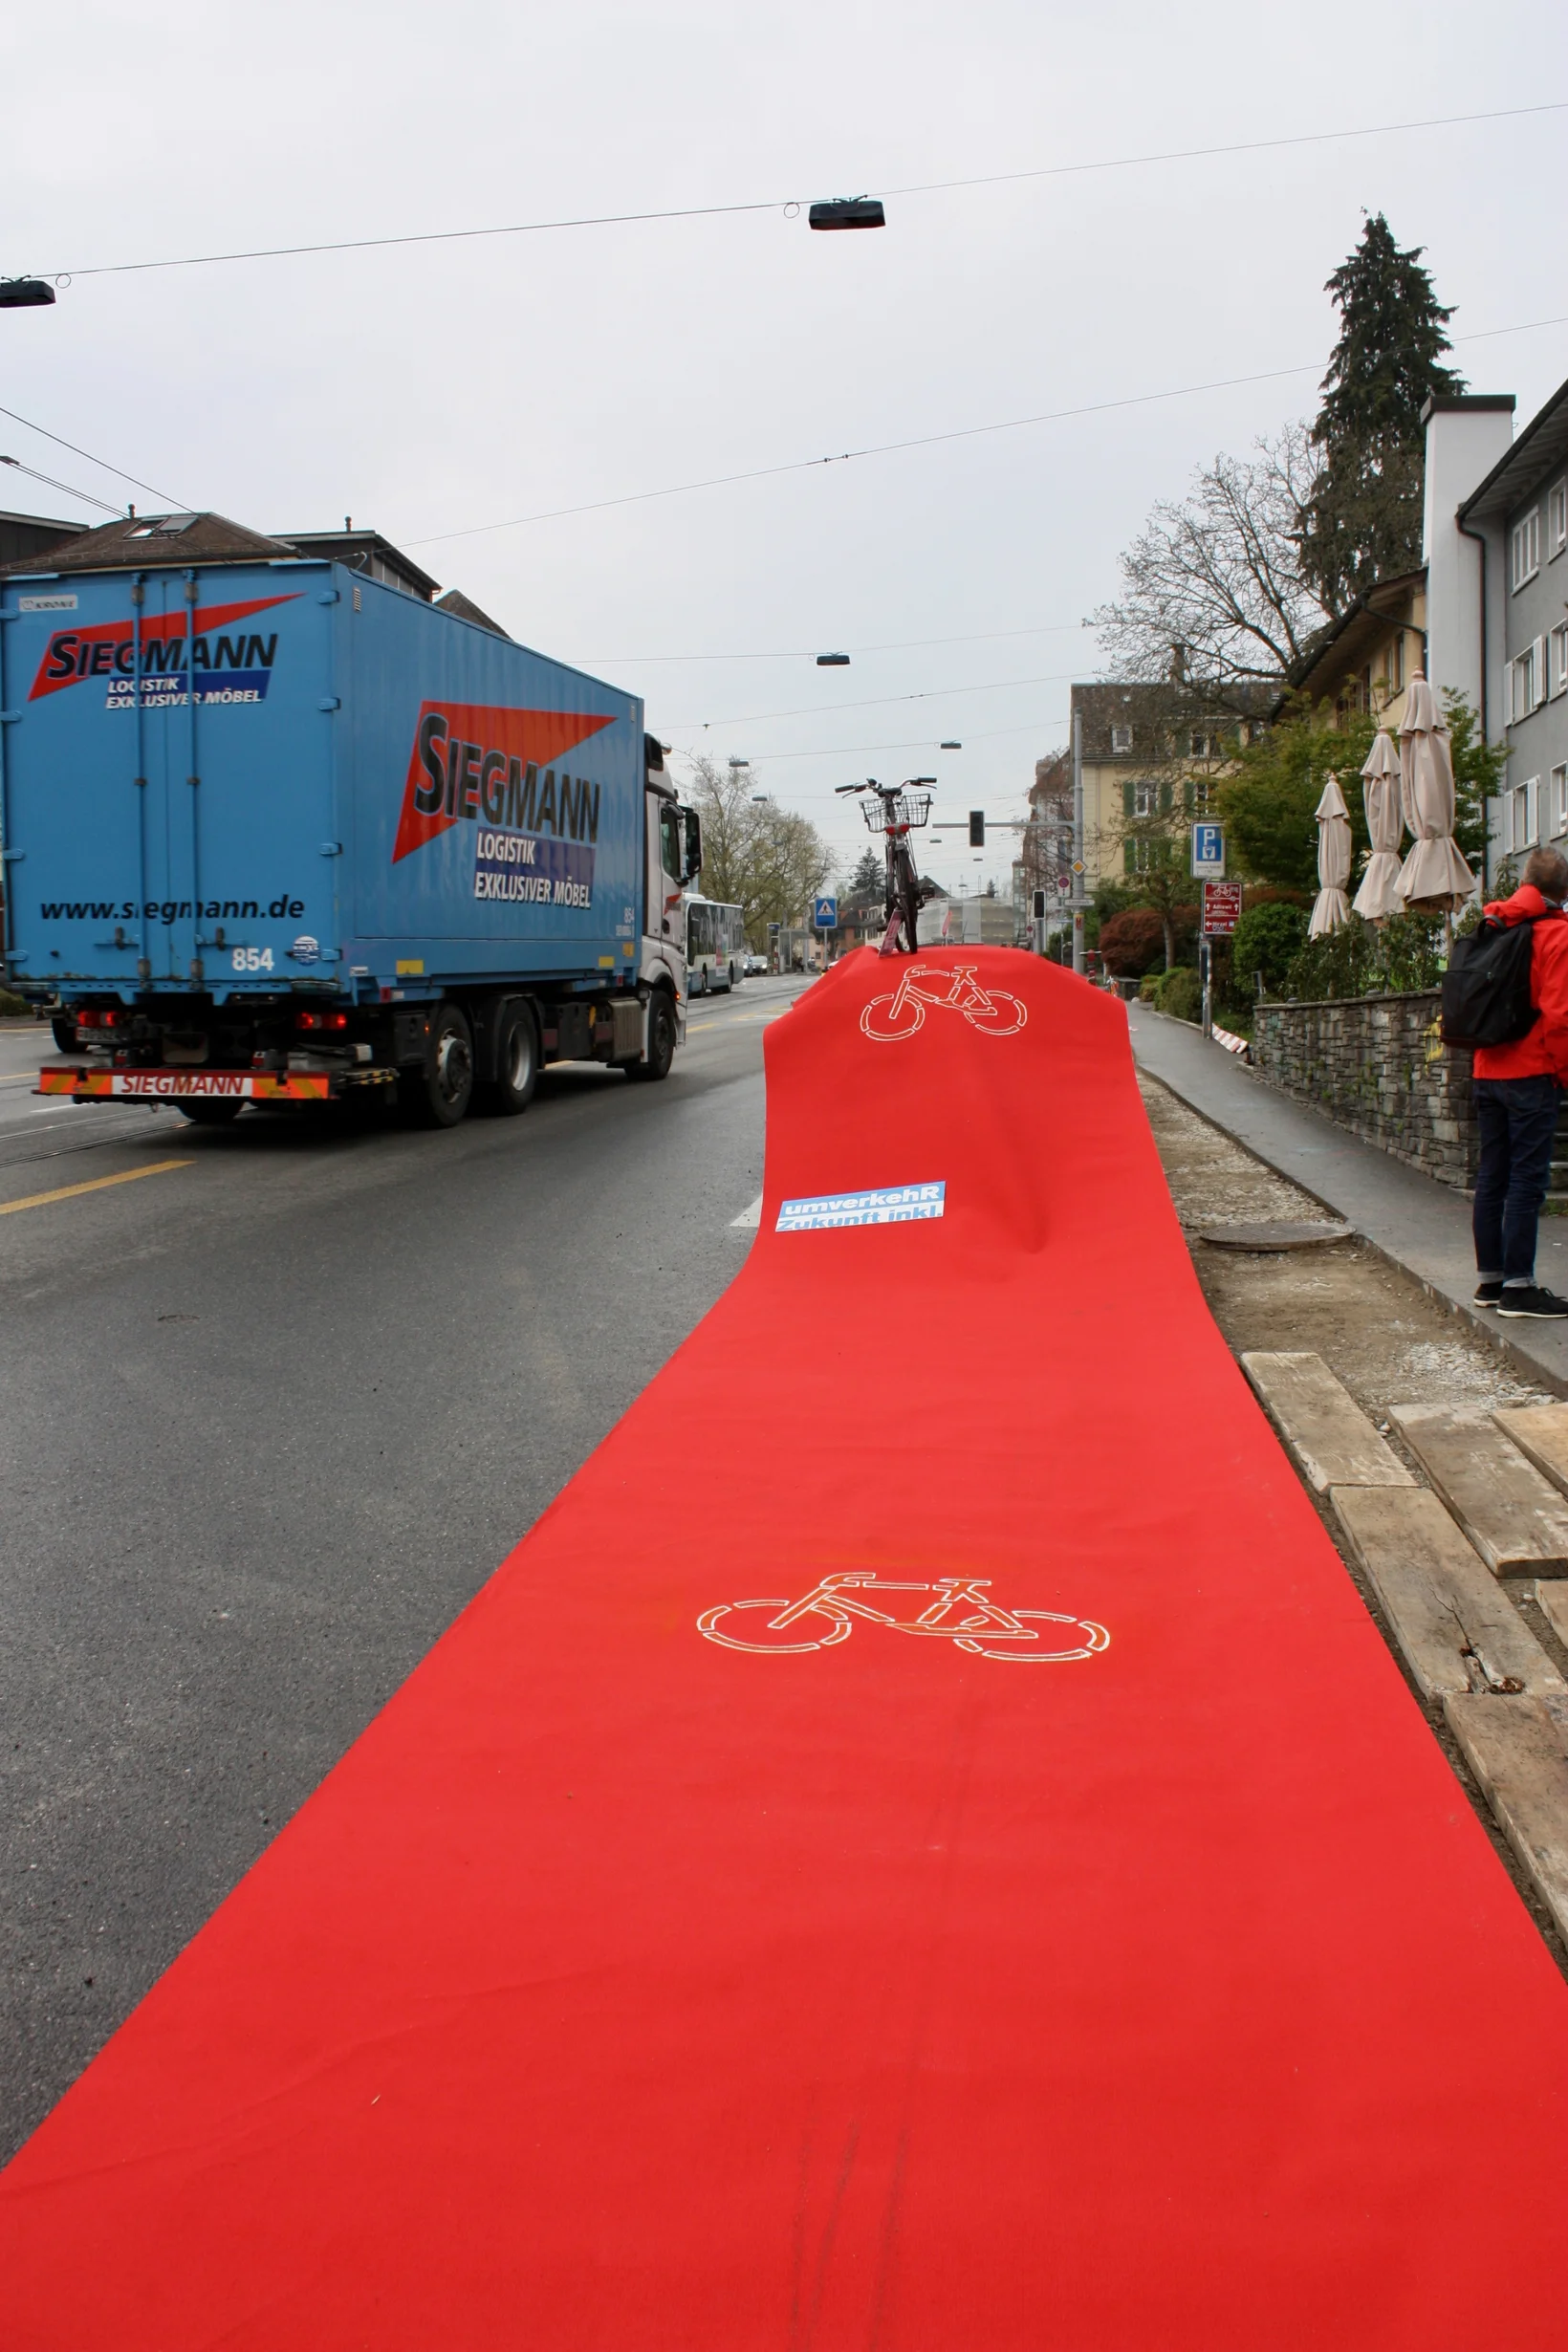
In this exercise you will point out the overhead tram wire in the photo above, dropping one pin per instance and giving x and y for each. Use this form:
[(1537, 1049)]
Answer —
[(807, 465), (928, 441), (879, 702), (782, 203), (906, 743), (48, 479), (176, 504), (902, 645)]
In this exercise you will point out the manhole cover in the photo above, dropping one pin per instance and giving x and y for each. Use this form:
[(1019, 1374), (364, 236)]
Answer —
[(1283, 1234)]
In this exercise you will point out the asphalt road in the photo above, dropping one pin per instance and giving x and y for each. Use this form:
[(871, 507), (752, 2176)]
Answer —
[(268, 1418)]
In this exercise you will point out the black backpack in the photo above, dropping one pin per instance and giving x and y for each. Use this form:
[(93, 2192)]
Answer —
[(1486, 989)]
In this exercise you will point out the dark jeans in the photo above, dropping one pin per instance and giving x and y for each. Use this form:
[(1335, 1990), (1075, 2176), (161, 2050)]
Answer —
[(1518, 1121)]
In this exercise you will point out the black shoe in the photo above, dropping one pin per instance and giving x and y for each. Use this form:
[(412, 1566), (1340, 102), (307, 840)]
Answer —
[(1529, 1299), (1488, 1294)]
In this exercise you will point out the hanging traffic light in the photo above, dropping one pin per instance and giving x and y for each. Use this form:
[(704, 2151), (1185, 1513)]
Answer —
[(977, 828)]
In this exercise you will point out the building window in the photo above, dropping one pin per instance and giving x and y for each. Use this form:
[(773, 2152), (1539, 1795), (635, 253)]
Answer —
[(1120, 739), (1394, 666), (1526, 545), (1145, 798), (1523, 807), (1201, 791), (1557, 520), (1557, 801), (1143, 854), (1201, 747), (1557, 660), (1527, 680)]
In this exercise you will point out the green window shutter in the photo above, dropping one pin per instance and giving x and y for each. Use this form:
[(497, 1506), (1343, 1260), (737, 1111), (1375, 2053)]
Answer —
[(1127, 802), (1164, 799), (1129, 853), (1188, 795)]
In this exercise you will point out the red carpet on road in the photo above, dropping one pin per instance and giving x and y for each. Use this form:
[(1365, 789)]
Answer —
[(915, 1974)]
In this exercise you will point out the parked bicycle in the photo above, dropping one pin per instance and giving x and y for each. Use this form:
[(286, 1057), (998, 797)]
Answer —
[(963, 1612), (895, 811)]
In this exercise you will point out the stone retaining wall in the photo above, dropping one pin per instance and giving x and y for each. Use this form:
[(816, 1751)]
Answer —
[(1377, 1066)]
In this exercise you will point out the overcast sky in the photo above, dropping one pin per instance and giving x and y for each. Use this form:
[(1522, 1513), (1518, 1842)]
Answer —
[(434, 390)]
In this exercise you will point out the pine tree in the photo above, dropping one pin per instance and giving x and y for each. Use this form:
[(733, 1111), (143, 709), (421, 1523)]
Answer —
[(1362, 519), (866, 880)]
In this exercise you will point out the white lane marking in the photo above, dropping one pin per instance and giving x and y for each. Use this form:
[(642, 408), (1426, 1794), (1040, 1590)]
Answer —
[(751, 1218)]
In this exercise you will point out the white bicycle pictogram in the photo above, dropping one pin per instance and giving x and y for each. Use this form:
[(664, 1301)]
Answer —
[(962, 1613), (993, 1011)]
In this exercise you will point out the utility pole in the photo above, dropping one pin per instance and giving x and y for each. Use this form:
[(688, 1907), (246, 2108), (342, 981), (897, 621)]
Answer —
[(1078, 841)]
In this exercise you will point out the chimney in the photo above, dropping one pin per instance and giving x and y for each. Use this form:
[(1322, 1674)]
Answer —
[(1467, 435)]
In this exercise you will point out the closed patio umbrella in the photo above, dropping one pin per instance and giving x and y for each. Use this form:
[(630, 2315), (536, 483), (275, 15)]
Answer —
[(1379, 894), (1434, 878), (1330, 911)]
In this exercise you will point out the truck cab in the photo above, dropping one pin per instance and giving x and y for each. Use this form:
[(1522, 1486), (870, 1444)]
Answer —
[(674, 859)]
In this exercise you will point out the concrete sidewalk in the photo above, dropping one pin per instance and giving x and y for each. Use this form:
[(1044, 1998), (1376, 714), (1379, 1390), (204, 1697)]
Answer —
[(1416, 1223)]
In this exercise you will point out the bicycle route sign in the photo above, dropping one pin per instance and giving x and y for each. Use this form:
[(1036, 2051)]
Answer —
[(1221, 908), (824, 914)]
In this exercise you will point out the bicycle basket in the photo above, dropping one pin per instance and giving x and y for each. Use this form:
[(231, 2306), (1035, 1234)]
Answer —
[(898, 809)]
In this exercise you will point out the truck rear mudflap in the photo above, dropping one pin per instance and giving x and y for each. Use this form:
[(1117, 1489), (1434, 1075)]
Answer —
[(83, 1083)]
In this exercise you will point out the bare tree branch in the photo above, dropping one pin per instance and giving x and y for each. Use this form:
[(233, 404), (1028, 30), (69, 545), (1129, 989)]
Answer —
[(1214, 595), (765, 860)]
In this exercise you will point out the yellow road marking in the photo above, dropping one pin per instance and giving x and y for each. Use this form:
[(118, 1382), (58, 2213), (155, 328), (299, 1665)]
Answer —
[(25, 1079), (69, 1193)]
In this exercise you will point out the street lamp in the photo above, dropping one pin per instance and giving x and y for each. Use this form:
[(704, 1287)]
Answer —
[(849, 213), (24, 293)]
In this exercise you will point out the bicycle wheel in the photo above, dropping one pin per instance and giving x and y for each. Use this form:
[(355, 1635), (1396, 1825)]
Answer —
[(766, 1640), (1001, 1017), (1021, 1652), (908, 882), (901, 1020)]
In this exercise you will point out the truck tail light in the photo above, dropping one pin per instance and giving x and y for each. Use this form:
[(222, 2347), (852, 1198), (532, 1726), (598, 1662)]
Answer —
[(320, 1020), (93, 1018)]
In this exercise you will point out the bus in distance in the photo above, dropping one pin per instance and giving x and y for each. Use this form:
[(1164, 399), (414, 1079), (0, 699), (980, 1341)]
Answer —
[(715, 945)]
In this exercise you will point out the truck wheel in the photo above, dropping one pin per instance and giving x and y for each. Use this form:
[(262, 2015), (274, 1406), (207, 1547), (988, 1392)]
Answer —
[(65, 1033), (516, 1065), (655, 1063), (438, 1094), (217, 1111)]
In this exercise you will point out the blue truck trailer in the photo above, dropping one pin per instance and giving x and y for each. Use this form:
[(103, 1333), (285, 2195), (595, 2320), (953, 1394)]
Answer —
[(274, 830)]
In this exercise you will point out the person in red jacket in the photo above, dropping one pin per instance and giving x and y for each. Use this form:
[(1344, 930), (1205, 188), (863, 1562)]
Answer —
[(1518, 1089)]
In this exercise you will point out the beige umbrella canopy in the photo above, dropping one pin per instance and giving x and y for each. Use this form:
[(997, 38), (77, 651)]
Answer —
[(1379, 894), (1332, 909), (1434, 879)]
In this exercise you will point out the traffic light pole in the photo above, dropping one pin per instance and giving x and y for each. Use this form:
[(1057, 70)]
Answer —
[(1078, 841)]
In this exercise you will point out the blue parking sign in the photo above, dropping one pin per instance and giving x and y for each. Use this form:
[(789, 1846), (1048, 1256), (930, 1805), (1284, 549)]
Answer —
[(824, 914), (1208, 851)]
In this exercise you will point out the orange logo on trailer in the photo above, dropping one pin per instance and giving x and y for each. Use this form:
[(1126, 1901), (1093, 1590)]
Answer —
[(472, 760)]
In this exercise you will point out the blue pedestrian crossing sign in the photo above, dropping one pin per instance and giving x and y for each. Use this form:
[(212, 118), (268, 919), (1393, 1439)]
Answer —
[(1208, 851), (824, 914)]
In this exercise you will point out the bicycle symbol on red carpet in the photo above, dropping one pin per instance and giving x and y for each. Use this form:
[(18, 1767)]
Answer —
[(993, 1011), (962, 1614)]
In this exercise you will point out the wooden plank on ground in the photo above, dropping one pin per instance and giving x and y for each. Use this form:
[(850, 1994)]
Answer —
[(1540, 1432), (1329, 1438), (1514, 1747), (1515, 1519), (1553, 1598), (1456, 1630)]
